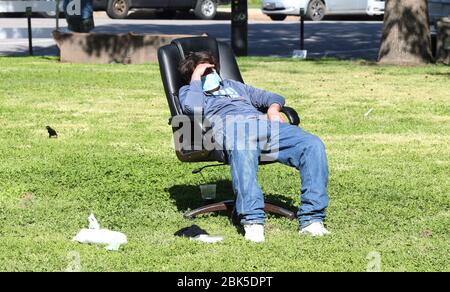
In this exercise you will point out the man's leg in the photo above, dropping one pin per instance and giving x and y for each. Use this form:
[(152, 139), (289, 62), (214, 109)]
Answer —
[(241, 144), (306, 152), (249, 197)]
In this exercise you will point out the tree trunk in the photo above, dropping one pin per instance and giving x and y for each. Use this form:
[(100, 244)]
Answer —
[(406, 36)]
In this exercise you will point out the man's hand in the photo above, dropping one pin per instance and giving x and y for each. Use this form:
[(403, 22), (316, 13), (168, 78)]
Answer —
[(274, 114), (200, 70)]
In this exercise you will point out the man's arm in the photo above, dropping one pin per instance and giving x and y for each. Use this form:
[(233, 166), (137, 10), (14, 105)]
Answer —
[(191, 97), (266, 99), (274, 113), (263, 98)]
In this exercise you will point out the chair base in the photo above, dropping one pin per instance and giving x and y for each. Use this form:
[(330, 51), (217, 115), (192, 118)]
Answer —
[(229, 205)]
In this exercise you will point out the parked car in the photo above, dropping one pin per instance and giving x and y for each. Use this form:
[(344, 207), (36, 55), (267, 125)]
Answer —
[(203, 9), (45, 8), (317, 9), (438, 9)]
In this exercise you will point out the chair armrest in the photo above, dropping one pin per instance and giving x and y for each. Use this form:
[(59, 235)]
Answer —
[(202, 124), (194, 148), (291, 114), (196, 129)]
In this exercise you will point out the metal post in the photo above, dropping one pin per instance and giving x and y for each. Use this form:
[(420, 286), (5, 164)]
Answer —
[(301, 54), (57, 14), (30, 36), (302, 29), (57, 25), (239, 27)]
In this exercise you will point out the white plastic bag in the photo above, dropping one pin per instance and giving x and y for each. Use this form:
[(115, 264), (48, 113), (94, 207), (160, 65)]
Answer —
[(95, 235), (93, 223), (207, 238)]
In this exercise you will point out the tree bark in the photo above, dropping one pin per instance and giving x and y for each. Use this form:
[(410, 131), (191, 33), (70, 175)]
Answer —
[(406, 36)]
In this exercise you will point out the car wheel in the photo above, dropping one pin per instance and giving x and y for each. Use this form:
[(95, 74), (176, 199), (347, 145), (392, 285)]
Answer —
[(52, 14), (316, 10), (206, 9), (278, 17), (47, 14), (118, 9)]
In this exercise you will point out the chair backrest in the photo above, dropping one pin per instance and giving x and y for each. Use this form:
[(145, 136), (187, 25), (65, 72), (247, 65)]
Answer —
[(170, 56)]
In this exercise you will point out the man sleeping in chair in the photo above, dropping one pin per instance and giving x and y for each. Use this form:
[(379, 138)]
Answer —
[(252, 134)]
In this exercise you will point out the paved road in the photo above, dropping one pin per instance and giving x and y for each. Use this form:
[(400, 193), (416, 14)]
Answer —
[(356, 38)]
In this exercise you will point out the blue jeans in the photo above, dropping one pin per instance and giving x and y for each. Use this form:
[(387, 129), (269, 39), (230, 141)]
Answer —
[(291, 146)]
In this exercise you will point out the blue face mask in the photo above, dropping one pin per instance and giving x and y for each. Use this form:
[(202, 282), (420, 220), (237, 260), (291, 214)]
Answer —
[(211, 82)]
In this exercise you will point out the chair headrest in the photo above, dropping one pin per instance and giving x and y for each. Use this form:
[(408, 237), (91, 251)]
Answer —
[(169, 57), (197, 44)]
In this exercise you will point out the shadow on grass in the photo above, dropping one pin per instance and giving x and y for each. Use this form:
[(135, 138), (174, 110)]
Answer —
[(447, 74), (188, 197)]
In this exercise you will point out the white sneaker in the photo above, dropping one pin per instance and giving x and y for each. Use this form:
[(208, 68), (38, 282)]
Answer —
[(254, 232), (315, 229)]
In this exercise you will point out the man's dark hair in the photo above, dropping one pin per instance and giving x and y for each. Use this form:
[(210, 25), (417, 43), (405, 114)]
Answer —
[(188, 65)]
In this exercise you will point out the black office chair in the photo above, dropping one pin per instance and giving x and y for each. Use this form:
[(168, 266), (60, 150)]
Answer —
[(169, 57)]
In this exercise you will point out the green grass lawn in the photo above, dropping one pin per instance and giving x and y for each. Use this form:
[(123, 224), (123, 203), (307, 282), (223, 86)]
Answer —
[(252, 4), (389, 172)]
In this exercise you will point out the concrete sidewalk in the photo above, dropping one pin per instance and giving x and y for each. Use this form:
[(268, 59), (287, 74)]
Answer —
[(351, 38), (342, 39)]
